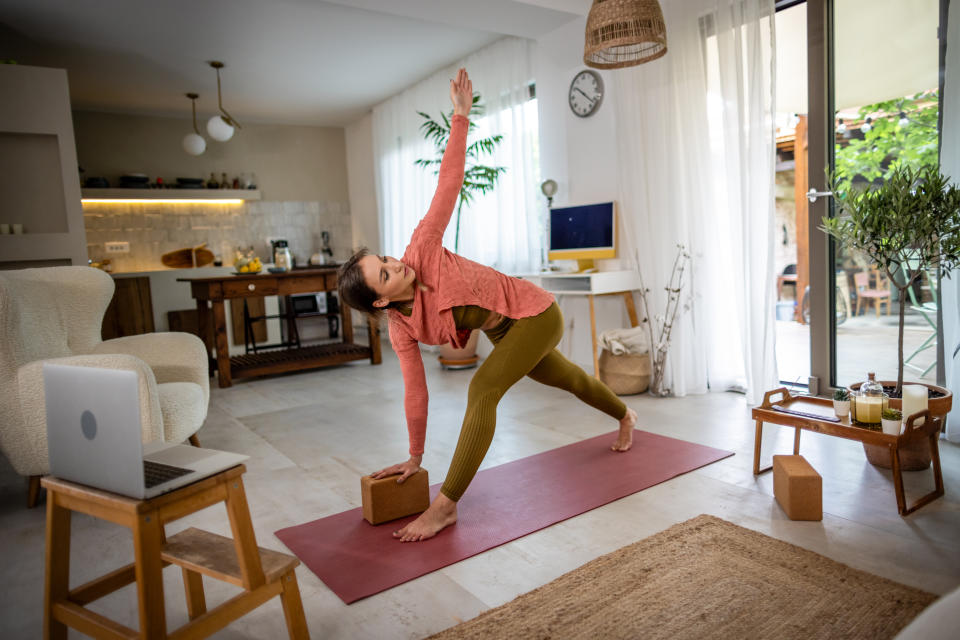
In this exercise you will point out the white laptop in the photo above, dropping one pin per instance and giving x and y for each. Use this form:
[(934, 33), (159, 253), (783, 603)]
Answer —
[(94, 438)]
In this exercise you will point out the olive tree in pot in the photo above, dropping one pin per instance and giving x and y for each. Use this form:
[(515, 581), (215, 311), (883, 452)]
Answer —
[(478, 179), (908, 225)]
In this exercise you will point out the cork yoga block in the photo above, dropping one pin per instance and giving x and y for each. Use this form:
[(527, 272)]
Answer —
[(385, 499), (798, 488)]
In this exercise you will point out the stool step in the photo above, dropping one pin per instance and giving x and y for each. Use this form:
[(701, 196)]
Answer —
[(216, 556)]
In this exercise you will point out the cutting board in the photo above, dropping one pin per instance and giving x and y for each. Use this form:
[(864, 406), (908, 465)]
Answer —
[(188, 258)]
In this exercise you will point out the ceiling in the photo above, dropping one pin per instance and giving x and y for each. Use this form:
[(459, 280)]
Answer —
[(328, 63), (287, 61)]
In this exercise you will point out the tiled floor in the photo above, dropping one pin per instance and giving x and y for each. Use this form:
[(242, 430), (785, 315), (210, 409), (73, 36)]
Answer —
[(311, 435)]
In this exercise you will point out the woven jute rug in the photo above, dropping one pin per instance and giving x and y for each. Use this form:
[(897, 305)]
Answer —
[(705, 578)]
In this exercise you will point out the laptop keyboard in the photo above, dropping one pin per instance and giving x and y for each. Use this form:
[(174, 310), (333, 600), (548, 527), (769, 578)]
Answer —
[(155, 473)]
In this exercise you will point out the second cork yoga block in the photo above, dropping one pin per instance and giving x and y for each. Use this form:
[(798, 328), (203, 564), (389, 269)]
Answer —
[(798, 488), (385, 499)]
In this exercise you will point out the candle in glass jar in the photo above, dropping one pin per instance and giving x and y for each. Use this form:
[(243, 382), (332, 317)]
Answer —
[(869, 409), (914, 400)]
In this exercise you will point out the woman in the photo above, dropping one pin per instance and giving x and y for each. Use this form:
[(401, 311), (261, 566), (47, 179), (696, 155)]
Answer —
[(435, 296)]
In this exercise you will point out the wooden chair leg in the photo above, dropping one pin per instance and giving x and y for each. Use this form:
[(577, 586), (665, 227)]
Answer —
[(193, 586), (147, 544), (293, 607), (194, 440), (33, 491), (244, 538), (58, 568)]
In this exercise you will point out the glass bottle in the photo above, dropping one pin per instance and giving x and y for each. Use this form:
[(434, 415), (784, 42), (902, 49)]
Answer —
[(870, 401)]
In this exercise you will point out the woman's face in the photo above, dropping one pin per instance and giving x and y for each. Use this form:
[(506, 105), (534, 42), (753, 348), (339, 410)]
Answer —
[(392, 280)]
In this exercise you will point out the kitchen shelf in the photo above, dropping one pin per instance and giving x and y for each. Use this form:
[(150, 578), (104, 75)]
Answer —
[(170, 194)]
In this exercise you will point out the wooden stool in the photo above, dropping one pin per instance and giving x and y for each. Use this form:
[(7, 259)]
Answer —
[(260, 572), (798, 488)]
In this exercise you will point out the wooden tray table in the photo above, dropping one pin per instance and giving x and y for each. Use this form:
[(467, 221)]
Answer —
[(823, 407)]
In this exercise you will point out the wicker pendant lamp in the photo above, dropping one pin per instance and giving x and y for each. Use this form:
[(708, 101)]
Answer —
[(624, 33)]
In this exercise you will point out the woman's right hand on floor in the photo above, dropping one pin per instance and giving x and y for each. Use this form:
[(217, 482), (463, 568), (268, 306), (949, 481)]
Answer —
[(404, 470)]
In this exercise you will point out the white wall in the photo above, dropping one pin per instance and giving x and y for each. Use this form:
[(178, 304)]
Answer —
[(580, 154), (361, 185)]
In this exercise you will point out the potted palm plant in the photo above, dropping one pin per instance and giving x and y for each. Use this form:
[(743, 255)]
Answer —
[(478, 179), (908, 225)]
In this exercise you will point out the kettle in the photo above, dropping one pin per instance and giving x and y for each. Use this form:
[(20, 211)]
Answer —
[(281, 255)]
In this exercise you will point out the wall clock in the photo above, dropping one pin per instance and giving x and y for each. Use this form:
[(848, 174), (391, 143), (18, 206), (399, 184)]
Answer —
[(586, 93)]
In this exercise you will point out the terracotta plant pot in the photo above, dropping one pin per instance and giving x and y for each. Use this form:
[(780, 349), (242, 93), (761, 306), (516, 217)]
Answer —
[(453, 358), (916, 455)]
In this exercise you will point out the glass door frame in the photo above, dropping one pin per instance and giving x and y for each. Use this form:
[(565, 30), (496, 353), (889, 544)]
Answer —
[(820, 135), (821, 141)]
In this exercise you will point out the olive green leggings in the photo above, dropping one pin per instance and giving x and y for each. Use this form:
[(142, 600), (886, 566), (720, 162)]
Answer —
[(521, 347)]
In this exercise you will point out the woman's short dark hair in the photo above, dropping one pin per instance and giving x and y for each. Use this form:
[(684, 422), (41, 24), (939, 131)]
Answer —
[(353, 289)]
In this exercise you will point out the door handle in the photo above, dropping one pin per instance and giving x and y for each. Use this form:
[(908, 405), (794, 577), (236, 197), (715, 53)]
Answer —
[(813, 194)]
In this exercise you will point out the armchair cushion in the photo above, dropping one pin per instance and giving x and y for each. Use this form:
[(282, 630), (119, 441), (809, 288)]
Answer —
[(174, 357), (184, 409)]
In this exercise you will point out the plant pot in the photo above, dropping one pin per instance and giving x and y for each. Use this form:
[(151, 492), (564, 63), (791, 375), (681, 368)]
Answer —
[(841, 408), (891, 427), (916, 455), (453, 358)]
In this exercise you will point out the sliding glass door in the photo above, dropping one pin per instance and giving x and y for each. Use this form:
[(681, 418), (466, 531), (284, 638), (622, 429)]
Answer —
[(873, 70)]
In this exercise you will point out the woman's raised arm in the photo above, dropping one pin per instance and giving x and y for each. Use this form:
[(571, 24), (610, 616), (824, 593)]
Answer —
[(435, 222)]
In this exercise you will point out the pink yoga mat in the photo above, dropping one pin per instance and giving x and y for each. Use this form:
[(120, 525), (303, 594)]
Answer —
[(356, 559)]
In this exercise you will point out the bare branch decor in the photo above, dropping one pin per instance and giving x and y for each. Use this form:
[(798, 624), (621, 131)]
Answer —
[(664, 322)]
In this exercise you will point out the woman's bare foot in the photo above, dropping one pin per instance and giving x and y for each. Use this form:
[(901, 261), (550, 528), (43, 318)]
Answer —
[(441, 513), (625, 438)]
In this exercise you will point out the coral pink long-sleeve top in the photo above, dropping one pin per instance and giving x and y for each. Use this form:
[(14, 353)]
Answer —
[(448, 280)]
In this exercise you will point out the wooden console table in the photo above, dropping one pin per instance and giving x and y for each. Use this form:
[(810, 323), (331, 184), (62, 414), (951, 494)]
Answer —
[(218, 289), (823, 407)]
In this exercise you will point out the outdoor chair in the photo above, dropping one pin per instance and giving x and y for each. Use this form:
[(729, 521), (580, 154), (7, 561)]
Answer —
[(929, 312), (872, 287)]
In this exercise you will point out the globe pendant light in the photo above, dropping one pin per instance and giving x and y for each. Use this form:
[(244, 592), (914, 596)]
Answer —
[(193, 143), (221, 126)]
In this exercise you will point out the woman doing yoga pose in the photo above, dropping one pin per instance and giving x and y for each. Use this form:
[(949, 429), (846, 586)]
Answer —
[(435, 296)]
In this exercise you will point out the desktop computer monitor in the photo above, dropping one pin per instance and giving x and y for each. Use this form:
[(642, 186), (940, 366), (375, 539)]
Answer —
[(583, 233)]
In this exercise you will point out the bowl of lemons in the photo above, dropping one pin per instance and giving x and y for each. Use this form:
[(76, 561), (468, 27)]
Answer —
[(246, 266)]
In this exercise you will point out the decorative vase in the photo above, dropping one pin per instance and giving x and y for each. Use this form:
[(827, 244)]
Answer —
[(841, 408), (916, 455), (455, 358)]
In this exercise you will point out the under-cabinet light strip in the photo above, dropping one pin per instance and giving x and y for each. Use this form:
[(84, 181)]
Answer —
[(160, 201)]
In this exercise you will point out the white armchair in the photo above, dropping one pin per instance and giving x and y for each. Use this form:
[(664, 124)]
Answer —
[(55, 314)]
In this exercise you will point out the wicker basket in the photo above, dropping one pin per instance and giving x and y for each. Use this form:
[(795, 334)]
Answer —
[(625, 374)]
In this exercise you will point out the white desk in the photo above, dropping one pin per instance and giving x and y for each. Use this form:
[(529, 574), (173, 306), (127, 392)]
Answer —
[(600, 283)]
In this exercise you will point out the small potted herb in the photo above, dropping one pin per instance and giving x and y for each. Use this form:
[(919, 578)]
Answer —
[(841, 403), (891, 420)]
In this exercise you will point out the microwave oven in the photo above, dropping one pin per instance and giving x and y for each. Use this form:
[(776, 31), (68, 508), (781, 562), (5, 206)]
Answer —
[(309, 303)]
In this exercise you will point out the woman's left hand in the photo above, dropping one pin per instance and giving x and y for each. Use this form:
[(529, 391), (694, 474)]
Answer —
[(461, 93)]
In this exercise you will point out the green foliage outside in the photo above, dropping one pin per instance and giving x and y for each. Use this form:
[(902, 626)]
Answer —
[(478, 179), (887, 143), (908, 225)]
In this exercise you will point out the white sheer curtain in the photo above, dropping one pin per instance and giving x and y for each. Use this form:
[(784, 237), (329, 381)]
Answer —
[(696, 162), (501, 229), (950, 166)]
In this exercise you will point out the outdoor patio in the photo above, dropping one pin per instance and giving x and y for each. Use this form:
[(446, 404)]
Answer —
[(864, 343)]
